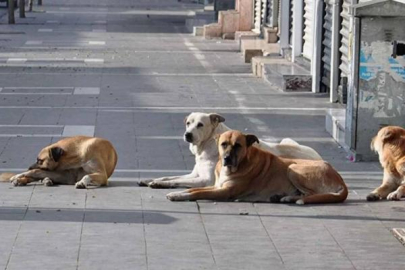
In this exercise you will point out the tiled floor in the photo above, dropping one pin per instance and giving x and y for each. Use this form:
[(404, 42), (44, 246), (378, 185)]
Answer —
[(153, 75)]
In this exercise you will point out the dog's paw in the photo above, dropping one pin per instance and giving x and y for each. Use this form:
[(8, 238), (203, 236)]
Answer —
[(300, 202), (16, 177), (286, 199), (21, 181), (145, 183), (159, 184), (80, 185), (18, 182), (178, 196), (373, 197), (47, 182), (394, 196)]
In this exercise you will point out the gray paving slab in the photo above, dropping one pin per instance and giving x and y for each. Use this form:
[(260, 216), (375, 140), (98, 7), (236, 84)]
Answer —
[(149, 82)]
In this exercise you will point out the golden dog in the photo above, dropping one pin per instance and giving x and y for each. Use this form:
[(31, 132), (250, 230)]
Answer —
[(81, 161), (246, 173), (390, 146)]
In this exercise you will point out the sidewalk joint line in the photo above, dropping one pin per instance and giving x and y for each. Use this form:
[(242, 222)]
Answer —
[(206, 233), (81, 231), (19, 228), (144, 234), (268, 235)]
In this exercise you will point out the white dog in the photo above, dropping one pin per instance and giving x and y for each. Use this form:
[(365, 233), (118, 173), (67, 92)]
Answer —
[(201, 132)]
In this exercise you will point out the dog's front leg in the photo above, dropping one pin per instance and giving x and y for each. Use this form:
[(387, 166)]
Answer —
[(148, 182), (93, 179), (397, 194), (161, 182), (207, 193), (24, 178), (48, 177), (200, 177), (387, 187), (183, 182)]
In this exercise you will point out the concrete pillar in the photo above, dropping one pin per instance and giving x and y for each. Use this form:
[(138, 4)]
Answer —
[(335, 53), (245, 10), (297, 29), (317, 46), (284, 23)]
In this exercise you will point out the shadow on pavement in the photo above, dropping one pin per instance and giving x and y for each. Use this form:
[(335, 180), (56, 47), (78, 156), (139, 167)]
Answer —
[(89, 215)]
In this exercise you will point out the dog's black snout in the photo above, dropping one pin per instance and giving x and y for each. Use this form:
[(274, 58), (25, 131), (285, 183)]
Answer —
[(188, 136), (228, 160)]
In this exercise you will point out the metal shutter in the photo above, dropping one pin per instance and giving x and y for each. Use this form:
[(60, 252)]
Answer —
[(308, 28), (260, 13), (327, 44), (272, 13), (291, 26), (344, 31)]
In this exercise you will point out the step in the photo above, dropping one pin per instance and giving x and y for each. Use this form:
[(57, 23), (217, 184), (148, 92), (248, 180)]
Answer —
[(191, 23), (239, 35), (201, 18), (198, 31), (209, 7), (335, 121), (205, 15), (270, 34), (288, 76), (258, 63), (257, 47)]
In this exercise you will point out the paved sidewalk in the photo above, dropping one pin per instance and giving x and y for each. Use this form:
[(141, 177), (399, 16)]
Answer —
[(127, 71)]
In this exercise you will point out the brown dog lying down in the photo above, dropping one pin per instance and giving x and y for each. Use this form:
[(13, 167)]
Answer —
[(390, 146), (80, 161), (246, 173)]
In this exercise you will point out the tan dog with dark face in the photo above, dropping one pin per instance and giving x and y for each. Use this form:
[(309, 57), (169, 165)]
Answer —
[(83, 161), (390, 146), (201, 130), (247, 173)]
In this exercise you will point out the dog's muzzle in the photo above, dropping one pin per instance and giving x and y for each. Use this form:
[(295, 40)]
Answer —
[(33, 166), (228, 161), (188, 137)]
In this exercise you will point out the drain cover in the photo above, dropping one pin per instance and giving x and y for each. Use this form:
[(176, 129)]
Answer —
[(399, 233)]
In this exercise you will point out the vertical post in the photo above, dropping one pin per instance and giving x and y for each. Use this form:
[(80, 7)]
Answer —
[(351, 107), (273, 18), (39, 2), (334, 76), (11, 18), (317, 46), (353, 87), (284, 24), (30, 3), (21, 6), (297, 28)]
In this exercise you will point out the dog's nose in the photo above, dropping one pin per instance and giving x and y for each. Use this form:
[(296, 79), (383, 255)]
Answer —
[(189, 137), (227, 161)]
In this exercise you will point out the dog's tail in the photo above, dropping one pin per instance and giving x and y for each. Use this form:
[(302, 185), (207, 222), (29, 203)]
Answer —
[(5, 177), (332, 197), (288, 141)]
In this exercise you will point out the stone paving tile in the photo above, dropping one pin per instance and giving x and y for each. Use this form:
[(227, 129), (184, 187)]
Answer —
[(149, 82)]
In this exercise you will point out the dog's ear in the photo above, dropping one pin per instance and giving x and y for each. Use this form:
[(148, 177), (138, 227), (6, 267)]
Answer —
[(251, 139), (56, 153), (216, 118), (185, 120), (387, 135)]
